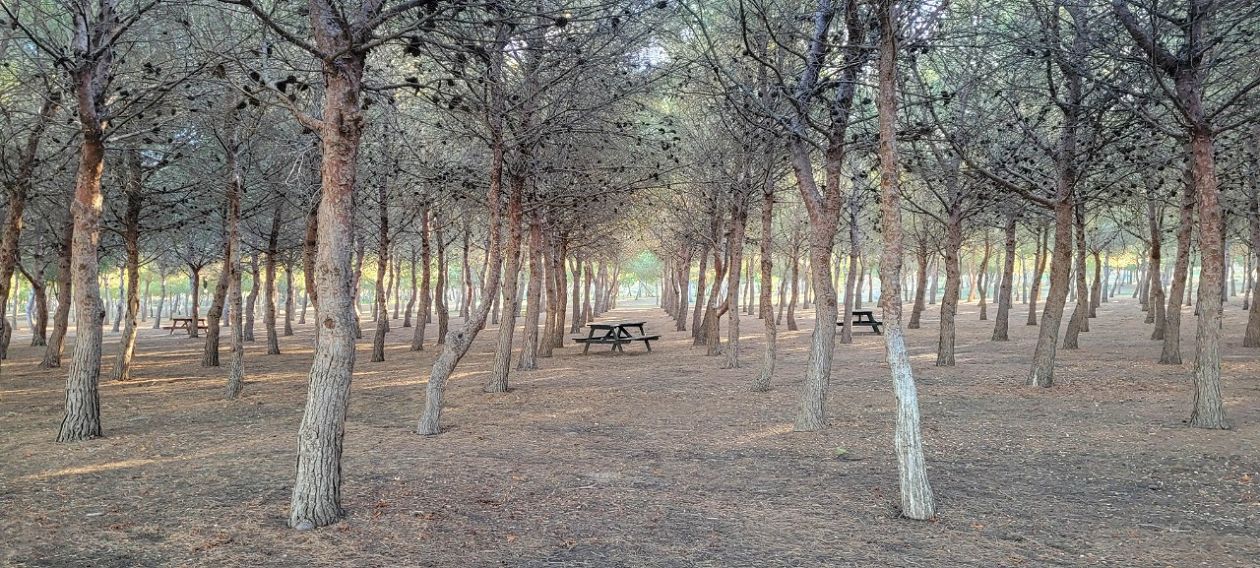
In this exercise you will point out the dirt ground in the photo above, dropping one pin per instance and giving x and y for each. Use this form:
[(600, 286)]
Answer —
[(648, 459)]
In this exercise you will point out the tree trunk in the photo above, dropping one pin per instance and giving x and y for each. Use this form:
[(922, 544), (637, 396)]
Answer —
[(426, 261), (251, 301), (1039, 270), (1001, 327), (761, 381), (528, 359), (1079, 322), (920, 286), (953, 287), (288, 297), (982, 277), (739, 220), (1170, 354), (269, 281), (382, 267), (133, 186), (916, 493), (61, 318)]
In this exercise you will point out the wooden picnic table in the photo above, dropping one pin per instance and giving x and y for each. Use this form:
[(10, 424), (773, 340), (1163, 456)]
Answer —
[(185, 323), (865, 318), (616, 334)]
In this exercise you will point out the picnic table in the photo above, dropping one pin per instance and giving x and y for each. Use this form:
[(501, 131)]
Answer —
[(185, 323), (616, 334), (865, 318)]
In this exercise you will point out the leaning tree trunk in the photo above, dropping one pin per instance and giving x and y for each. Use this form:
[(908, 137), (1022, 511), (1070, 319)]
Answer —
[(131, 243), (1042, 373), (459, 341), (1002, 326), (916, 493)]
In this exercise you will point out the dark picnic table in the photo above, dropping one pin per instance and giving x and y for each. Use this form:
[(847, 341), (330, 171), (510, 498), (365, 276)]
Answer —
[(185, 323), (865, 318), (616, 334)]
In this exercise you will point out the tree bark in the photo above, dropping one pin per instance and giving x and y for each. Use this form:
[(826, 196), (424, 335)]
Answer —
[(131, 243), (761, 381), (1001, 327), (953, 285)]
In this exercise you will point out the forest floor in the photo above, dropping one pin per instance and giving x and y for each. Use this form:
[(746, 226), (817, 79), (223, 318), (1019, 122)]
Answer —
[(648, 459)]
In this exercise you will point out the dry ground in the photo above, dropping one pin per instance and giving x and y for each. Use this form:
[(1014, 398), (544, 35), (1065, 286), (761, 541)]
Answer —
[(648, 459)]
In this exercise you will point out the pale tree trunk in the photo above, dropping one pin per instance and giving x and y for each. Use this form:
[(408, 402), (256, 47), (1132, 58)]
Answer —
[(131, 243), (1001, 327), (916, 493), (761, 381)]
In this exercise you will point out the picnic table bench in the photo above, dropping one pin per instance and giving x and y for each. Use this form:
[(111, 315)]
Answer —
[(185, 323), (615, 334), (865, 318)]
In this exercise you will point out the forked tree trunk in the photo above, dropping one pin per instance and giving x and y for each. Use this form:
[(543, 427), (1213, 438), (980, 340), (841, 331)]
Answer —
[(498, 382)]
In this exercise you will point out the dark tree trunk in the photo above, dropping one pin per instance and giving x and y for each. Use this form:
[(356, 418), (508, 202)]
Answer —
[(131, 243), (1001, 327)]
